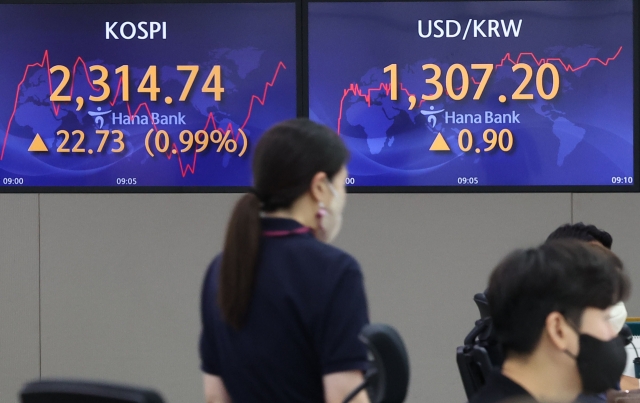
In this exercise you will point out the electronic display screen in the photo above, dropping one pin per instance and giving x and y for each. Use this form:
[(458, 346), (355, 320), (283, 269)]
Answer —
[(486, 94), (141, 96)]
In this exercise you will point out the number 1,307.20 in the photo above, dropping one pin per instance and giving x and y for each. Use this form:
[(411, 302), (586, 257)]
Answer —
[(458, 93)]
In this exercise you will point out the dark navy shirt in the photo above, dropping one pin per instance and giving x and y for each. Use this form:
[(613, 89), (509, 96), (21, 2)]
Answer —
[(306, 312), (500, 389)]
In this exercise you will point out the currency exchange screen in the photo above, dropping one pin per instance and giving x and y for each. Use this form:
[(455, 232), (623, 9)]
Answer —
[(141, 95), (478, 93)]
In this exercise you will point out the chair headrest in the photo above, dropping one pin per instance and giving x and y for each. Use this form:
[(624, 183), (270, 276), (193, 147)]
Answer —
[(482, 303)]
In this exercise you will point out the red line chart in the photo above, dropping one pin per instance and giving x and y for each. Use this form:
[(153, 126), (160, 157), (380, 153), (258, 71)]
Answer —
[(80, 63), (355, 89)]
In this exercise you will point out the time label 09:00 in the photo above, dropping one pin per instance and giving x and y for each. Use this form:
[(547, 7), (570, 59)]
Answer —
[(13, 181)]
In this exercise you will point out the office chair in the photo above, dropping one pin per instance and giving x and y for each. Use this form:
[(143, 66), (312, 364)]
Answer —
[(387, 380), (72, 391), (481, 352)]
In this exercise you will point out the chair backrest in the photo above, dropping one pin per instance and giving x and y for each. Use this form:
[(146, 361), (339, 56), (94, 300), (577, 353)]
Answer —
[(481, 353), (390, 362), (473, 360), (74, 391), (483, 304)]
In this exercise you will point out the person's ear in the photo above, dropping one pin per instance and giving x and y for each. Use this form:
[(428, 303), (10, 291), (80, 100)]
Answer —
[(560, 334), (319, 187)]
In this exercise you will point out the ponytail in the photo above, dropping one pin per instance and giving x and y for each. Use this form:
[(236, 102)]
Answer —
[(285, 160), (239, 260)]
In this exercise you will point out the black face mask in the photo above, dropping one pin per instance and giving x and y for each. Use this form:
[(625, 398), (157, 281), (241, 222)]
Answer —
[(600, 363)]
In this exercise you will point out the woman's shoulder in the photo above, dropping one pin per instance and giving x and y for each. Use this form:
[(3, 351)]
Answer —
[(338, 255), (211, 273), (327, 258)]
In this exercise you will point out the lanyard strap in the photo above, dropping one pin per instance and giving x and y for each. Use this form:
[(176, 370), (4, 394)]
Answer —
[(280, 233)]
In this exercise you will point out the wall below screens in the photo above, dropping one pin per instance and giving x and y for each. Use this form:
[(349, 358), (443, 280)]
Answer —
[(107, 286)]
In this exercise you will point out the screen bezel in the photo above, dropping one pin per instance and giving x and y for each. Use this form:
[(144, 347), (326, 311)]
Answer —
[(8, 189), (635, 187), (302, 101)]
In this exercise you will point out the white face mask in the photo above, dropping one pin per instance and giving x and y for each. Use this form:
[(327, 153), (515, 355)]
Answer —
[(618, 316), (330, 218)]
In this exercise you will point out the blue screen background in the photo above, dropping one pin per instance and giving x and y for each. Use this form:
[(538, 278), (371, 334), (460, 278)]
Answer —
[(258, 65), (583, 136)]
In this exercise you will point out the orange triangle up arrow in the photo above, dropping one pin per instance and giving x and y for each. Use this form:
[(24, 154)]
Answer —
[(37, 145), (439, 144)]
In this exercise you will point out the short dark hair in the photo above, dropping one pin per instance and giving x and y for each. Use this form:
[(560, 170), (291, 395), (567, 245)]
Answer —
[(583, 232), (563, 276)]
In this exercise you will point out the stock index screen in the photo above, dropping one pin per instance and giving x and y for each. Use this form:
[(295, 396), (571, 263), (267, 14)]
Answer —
[(141, 96), (506, 94)]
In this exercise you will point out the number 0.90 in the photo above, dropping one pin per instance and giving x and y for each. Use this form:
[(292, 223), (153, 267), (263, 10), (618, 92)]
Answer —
[(504, 140)]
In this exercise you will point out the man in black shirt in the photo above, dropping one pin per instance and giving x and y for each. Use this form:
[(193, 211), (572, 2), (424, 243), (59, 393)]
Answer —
[(550, 307), (599, 237)]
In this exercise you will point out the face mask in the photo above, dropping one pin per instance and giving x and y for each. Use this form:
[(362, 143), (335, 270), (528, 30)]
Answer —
[(330, 218), (600, 363), (618, 316)]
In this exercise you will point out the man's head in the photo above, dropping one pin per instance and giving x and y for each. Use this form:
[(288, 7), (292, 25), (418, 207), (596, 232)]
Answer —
[(551, 306), (559, 279), (593, 235), (583, 232)]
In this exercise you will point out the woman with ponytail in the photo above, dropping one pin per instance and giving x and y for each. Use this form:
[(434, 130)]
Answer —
[(281, 308)]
